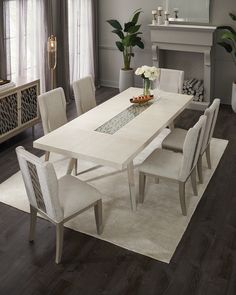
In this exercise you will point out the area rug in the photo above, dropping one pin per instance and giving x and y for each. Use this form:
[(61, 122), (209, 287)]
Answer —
[(157, 226)]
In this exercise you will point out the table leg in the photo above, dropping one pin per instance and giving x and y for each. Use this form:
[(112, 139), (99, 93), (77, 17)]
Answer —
[(130, 170), (71, 166)]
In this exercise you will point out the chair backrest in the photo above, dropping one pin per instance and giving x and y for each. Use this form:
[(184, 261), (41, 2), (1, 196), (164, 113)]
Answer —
[(52, 105), (211, 113), (41, 184), (84, 93), (171, 80), (192, 148)]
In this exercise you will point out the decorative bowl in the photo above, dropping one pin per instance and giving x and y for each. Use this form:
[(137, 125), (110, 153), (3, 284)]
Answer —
[(141, 99)]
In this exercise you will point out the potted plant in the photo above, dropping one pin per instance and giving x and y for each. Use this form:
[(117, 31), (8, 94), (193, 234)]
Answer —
[(129, 36), (228, 41)]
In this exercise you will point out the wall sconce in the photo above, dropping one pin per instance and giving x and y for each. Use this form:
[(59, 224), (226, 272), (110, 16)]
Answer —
[(52, 58)]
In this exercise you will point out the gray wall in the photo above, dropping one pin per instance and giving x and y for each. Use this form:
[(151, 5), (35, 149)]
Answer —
[(111, 59)]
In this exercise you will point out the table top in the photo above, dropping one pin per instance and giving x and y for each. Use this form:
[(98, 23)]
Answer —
[(79, 138)]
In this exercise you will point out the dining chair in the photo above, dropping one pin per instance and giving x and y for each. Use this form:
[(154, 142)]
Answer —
[(179, 167), (84, 93), (58, 200), (170, 80), (175, 140), (52, 106)]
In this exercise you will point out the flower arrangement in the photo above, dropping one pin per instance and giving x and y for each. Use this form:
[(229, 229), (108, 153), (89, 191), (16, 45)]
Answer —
[(148, 74)]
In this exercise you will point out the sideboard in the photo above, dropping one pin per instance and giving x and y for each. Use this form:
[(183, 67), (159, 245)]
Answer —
[(19, 108)]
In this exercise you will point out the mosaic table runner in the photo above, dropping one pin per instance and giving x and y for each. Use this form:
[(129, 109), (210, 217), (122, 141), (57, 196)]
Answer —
[(121, 119)]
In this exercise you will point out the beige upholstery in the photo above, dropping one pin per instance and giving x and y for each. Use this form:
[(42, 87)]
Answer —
[(52, 105), (56, 199), (175, 140), (84, 93), (175, 166), (170, 80)]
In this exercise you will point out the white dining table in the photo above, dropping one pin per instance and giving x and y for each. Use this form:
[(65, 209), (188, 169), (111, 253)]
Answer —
[(114, 132)]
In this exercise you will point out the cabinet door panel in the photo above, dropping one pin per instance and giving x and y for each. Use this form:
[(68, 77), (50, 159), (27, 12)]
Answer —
[(29, 109), (8, 113)]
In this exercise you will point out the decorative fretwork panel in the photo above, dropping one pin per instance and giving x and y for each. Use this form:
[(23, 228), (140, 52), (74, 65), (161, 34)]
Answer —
[(28, 104), (8, 113), (36, 186)]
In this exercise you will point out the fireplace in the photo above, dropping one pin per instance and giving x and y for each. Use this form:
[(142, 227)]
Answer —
[(185, 38)]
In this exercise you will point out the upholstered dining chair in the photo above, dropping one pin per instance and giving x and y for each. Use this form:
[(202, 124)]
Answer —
[(52, 106), (58, 200), (175, 166), (175, 140), (170, 80), (84, 93)]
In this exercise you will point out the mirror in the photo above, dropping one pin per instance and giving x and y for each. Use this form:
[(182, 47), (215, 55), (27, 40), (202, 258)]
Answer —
[(187, 10)]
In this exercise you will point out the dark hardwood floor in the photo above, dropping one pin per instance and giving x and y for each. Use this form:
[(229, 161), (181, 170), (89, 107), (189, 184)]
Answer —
[(204, 262)]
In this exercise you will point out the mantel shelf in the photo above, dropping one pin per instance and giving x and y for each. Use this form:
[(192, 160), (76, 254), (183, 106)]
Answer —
[(183, 27)]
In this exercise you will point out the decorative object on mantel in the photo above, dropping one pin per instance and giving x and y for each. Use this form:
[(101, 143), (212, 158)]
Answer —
[(176, 11), (148, 74), (159, 16), (129, 38), (154, 15), (166, 18), (52, 58), (228, 41), (194, 87)]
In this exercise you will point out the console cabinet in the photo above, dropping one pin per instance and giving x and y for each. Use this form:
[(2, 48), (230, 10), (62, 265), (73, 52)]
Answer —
[(18, 108)]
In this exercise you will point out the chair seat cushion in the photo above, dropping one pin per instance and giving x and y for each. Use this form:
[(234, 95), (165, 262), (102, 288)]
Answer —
[(163, 163), (75, 195), (175, 140)]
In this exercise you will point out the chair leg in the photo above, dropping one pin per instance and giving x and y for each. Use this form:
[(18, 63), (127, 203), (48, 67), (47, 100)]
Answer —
[(33, 219), (76, 167), (182, 197), (71, 166), (98, 216), (194, 181), (171, 126), (199, 169), (47, 155), (142, 182), (59, 241), (208, 156)]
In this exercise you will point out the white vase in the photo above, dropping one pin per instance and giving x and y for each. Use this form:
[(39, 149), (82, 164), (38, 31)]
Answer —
[(126, 79), (233, 99)]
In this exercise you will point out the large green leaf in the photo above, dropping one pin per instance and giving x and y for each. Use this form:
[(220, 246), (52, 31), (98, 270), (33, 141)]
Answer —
[(115, 24), (140, 44), (226, 46), (134, 29), (136, 16), (228, 36), (233, 16), (127, 26), (227, 28), (127, 41), (119, 33), (120, 46)]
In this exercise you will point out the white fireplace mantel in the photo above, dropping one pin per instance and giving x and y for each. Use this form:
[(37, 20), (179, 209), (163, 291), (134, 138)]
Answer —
[(188, 38)]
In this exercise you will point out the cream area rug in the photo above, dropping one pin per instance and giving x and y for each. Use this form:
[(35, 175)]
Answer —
[(157, 226)]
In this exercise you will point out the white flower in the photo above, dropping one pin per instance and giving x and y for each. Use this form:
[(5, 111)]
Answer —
[(150, 73), (139, 71)]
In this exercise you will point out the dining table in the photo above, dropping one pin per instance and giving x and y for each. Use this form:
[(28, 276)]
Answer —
[(116, 131)]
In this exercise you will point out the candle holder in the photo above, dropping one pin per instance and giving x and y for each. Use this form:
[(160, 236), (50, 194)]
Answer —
[(176, 11), (159, 15), (167, 18), (52, 58), (154, 15)]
